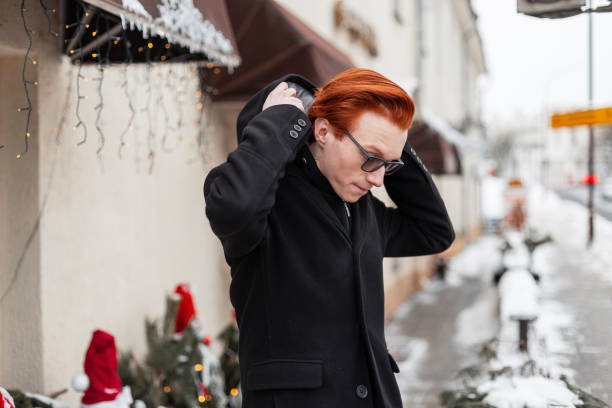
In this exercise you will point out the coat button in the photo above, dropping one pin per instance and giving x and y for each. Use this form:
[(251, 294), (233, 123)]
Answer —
[(293, 134), (297, 127), (301, 122), (362, 391)]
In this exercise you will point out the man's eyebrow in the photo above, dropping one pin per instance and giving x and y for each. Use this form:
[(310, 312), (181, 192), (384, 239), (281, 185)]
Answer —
[(373, 150)]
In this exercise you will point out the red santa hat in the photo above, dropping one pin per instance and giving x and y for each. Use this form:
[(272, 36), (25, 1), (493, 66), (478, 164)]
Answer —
[(101, 368), (186, 311), (6, 400)]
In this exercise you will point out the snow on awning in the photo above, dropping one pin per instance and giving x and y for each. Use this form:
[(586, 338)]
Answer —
[(199, 26)]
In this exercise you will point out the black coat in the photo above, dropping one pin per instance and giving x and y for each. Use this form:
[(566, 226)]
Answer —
[(307, 279)]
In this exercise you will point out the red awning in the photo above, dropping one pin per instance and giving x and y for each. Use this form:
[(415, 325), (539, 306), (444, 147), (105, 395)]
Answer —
[(273, 42), (439, 155)]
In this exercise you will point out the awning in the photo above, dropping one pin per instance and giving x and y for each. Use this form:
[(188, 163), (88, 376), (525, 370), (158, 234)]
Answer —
[(439, 154), (272, 42), (149, 30)]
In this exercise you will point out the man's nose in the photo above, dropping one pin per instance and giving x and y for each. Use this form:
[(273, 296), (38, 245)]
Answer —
[(376, 177)]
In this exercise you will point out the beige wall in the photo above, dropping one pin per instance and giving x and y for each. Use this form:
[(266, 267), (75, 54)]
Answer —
[(113, 238), (20, 304)]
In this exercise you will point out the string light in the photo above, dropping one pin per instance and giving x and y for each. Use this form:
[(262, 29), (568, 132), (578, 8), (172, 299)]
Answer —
[(198, 367), (201, 399), (27, 109), (234, 392), (47, 10), (162, 104), (150, 45), (124, 86), (167, 389), (147, 108)]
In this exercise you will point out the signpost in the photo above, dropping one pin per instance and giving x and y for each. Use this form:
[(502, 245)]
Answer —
[(601, 116)]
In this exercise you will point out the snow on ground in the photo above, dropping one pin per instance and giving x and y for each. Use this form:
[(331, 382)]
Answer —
[(553, 336), (520, 392), (567, 222)]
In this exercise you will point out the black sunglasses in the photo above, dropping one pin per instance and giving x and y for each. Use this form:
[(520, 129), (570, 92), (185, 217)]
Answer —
[(373, 163)]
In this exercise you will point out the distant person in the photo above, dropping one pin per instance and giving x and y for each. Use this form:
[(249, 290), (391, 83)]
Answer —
[(305, 237)]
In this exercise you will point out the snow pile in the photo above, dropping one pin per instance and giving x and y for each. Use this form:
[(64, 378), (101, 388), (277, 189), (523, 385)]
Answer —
[(517, 392), (519, 295), (479, 259)]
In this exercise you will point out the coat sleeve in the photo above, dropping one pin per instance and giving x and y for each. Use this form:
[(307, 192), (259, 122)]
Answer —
[(240, 193), (420, 224)]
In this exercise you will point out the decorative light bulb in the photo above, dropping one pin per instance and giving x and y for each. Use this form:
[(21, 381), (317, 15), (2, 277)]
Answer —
[(94, 33), (150, 45)]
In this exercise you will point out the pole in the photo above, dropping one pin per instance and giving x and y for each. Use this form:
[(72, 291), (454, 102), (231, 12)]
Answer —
[(591, 170)]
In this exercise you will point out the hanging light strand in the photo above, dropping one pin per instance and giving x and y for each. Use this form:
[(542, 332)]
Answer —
[(98, 108), (80, 76), (26, 82), (48, 10), (129, 126)]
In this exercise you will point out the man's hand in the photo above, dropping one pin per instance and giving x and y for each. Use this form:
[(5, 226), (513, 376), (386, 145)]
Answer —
[(282, 95)]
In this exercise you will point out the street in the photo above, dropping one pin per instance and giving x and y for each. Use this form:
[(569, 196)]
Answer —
[(580, 194)]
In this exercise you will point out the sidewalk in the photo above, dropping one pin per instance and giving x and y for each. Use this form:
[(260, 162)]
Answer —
[(439, 331)]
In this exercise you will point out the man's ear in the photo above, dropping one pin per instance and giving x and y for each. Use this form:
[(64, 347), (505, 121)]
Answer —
[(321, 131)]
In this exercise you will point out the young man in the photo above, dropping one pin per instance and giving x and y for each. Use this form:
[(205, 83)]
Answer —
[(305, 238)]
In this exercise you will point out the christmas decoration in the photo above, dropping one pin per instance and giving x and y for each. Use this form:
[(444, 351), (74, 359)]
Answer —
[(100, 382), (6, 401), (179, 370), (229, 363), (20, 399)]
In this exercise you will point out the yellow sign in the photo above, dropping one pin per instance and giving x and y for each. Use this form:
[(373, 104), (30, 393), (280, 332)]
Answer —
[(582, 118)]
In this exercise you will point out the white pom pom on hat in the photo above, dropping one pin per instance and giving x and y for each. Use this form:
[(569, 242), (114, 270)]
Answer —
[(80, 382)]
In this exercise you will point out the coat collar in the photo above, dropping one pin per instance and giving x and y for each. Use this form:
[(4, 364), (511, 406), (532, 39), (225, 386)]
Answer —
[(359, 213)]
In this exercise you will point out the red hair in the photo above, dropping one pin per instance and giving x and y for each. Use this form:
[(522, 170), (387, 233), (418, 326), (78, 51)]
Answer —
[(357, 90)]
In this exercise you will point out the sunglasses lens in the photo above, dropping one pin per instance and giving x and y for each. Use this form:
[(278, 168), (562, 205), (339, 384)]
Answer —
[(372, 164)]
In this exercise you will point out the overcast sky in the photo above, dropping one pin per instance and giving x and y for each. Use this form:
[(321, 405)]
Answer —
[(538, 65)]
